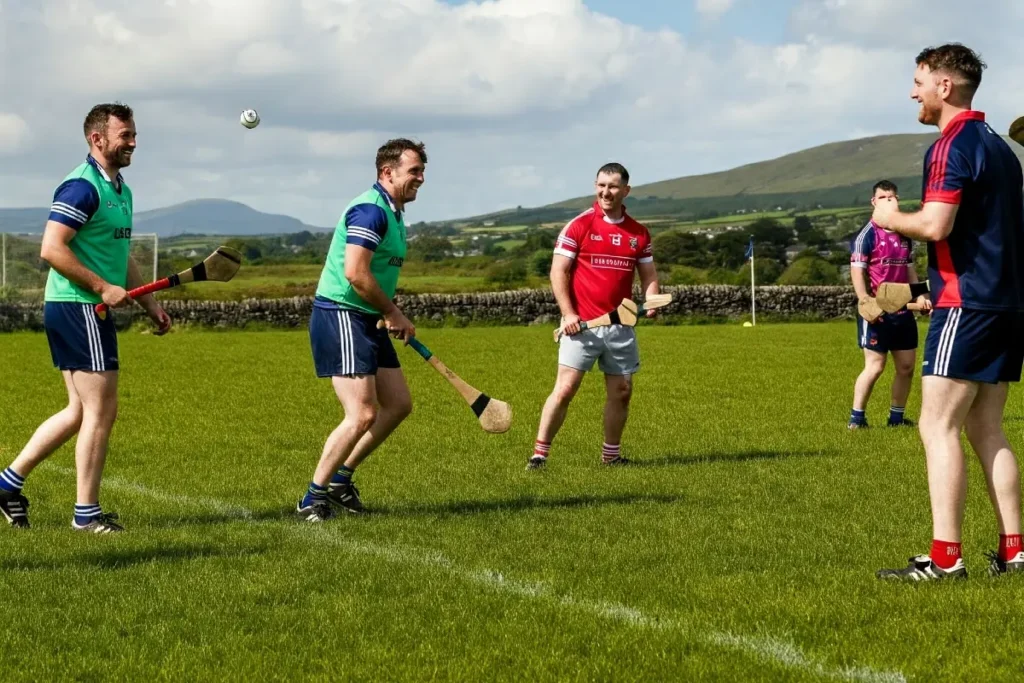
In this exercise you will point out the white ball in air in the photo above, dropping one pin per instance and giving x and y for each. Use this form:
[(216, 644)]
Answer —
[(250, 119)]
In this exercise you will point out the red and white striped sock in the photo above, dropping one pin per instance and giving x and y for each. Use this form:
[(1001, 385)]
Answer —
[(541, 448), (610, 452)]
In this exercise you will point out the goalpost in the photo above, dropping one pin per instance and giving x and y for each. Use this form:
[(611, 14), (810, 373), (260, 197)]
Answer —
[(156, 248)]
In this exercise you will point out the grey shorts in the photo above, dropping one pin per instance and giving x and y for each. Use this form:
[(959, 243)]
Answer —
[(612, 346)]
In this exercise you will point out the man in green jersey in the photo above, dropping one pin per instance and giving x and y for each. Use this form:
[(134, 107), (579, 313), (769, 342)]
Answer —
[(354, 294), (86, 242)]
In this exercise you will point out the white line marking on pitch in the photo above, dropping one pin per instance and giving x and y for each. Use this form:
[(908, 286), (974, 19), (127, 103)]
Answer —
[(119, 484), (775, 650)]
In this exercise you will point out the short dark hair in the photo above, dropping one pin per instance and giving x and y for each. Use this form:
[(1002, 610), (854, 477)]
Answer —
[(97, 118), (390, 153), (959, 61), (614, 167), (884, 186)]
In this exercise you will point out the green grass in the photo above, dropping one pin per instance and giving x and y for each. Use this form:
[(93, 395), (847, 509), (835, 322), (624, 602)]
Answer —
[(495, 229), (744, 548), (737, 218), (277, 281)]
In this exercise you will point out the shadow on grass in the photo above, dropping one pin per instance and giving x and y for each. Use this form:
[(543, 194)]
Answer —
[(519, 504), (113, 558), (740, 456)]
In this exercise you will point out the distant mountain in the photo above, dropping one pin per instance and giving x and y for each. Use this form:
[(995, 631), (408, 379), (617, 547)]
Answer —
[(201, 216), (837, 174)]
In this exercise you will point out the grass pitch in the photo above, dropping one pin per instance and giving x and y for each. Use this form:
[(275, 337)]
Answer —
[(743, 548)]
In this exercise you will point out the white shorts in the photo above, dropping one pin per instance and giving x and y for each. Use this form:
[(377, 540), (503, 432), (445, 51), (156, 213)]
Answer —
[(614, 347)]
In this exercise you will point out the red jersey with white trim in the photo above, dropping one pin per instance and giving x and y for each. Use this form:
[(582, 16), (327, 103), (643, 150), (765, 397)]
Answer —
[(606, 252), (980, 265)]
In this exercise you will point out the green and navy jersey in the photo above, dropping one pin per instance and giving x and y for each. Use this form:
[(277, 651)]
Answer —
[(370, 221), (100, 212)]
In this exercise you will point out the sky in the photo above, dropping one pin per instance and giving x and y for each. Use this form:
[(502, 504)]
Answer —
[(518, 101)]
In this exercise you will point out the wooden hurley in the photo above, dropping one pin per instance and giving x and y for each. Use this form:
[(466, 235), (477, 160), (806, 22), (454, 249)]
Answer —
[(495, 416), (220, 266), (1017, 130), (627, 313), (893, 296)]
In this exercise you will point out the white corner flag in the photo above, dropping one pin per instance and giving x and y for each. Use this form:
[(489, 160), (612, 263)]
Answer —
[(750, 255)]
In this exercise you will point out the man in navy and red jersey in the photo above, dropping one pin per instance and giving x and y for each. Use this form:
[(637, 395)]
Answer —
[(973, 219), (880, 255), (592, 271)]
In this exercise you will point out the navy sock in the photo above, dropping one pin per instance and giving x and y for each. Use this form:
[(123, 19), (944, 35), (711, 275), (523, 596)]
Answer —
[(895, 415), (342, 477), (315, 494), (858, 417), (87, 513), (11, 481)]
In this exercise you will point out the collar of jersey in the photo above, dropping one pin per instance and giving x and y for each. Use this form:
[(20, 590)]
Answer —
[(391, 202), (969, 115), (89, 158), (600, 212)]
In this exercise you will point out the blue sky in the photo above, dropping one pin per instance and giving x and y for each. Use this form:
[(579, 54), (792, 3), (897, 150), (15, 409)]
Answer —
[(518, 101)]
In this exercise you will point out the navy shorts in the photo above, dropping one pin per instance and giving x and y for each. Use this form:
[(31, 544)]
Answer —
[(889, 333), (79, 340), (978, 346), (347, 342)]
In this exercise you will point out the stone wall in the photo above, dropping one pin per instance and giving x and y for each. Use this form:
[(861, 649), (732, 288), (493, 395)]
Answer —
[(520, 307)]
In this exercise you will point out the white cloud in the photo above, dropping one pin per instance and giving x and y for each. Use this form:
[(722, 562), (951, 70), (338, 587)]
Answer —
[(713, 9), (14, 134), (518, 101)]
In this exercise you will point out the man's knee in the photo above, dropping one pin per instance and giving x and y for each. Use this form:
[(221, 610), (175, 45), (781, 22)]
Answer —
[(101, 412), (73, 411), (401, 407), (905, 367), (565, 390), (874, 366), (621, 391), (364, 417)]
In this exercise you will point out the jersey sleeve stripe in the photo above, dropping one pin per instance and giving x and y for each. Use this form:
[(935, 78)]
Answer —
[(369, 235), (941, 166), (645, 259), (565, 252), (64, 207), (858, 255), (58, 215), (937, 153)]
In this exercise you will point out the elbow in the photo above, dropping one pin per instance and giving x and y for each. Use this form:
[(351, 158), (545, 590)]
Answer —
[(940, 232), (47, 252), (354, 276)]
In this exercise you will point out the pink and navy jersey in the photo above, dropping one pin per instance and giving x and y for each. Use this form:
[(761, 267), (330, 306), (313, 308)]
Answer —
[(980, 265), (887, 255)]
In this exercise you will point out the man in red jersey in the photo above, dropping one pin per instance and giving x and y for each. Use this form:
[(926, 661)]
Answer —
[(592, 271)]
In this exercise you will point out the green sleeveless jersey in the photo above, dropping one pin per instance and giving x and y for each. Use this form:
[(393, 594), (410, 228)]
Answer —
[(371, 221), (88, 201)]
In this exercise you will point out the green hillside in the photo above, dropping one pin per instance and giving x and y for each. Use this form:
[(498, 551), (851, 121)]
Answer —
[(838, 174)]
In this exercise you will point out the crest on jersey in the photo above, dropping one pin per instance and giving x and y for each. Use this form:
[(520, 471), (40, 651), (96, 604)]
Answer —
[(633, 243)]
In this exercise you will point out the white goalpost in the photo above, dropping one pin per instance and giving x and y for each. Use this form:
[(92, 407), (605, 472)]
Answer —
[(156, 247)]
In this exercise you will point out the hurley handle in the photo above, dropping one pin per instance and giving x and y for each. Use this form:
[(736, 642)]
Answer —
[(101, 309), (415, 343), (419, 348)]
